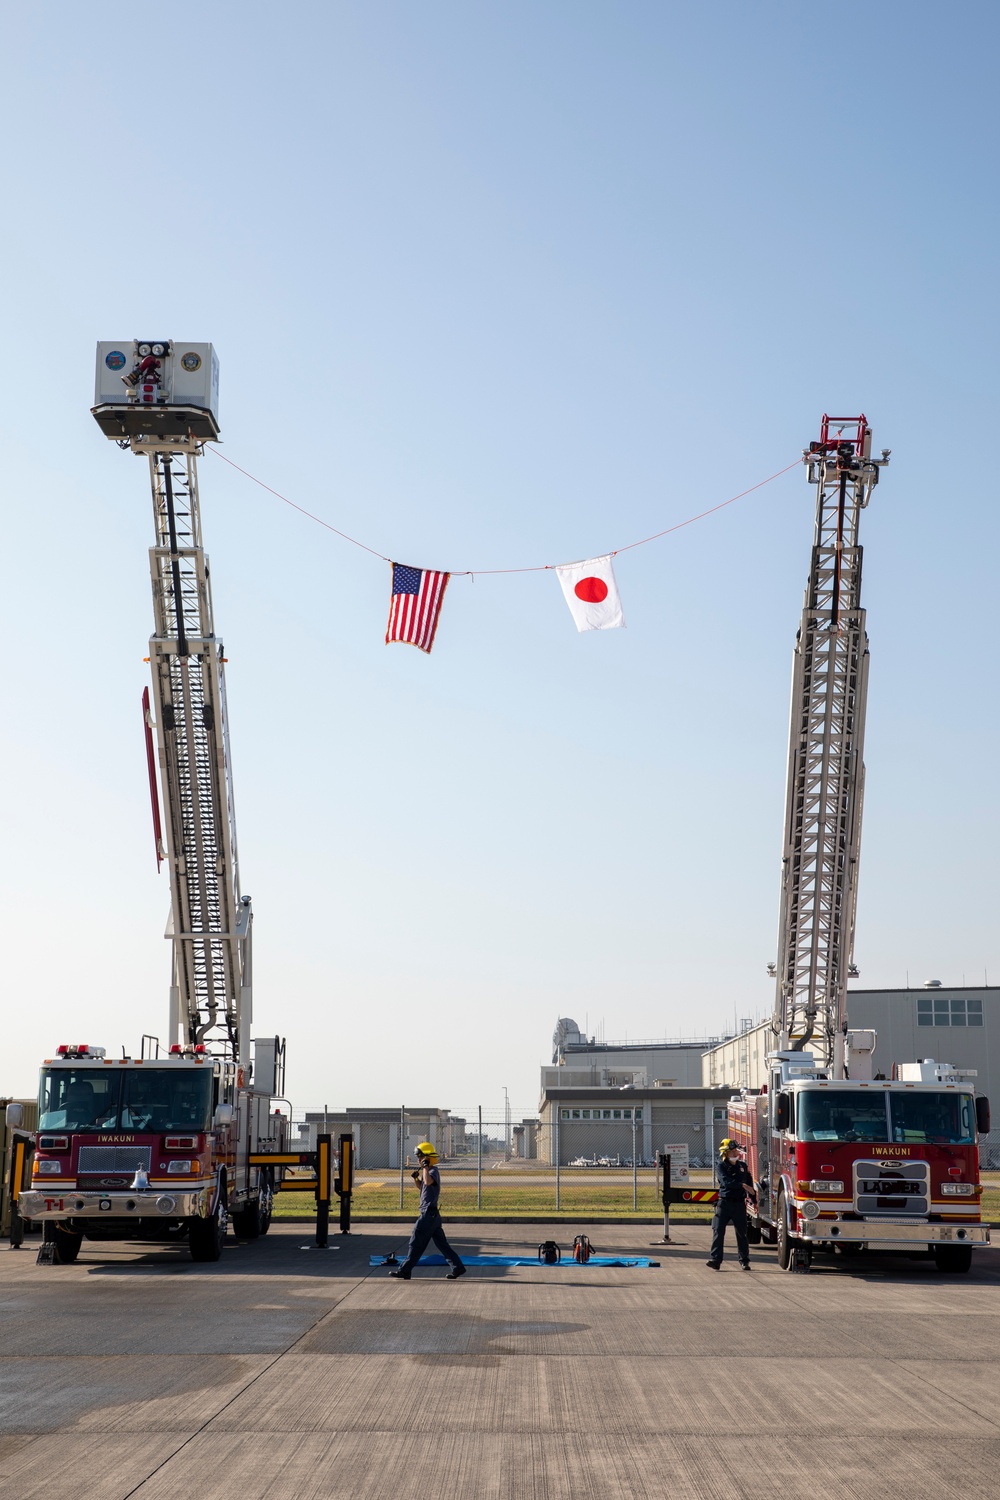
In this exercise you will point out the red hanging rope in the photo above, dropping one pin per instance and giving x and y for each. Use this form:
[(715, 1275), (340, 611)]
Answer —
[(539, 567)]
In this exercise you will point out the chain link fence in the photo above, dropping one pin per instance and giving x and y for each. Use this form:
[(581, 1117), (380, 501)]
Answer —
[(499, 1162)]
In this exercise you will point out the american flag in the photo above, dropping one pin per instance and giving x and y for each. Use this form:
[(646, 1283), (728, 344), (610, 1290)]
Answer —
[(417, 594)]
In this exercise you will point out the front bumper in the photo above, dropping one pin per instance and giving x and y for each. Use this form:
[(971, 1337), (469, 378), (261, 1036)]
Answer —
[(150, 1203), (884, 1236)]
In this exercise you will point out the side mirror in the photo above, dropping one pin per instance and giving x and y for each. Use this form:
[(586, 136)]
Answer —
[(782, 1112), (223, 1117), (14, 1115), (982, 1114)]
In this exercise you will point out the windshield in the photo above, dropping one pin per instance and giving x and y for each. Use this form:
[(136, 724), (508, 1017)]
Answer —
[(841, 1115), (934, 1119), (78, 1099), (918, 1119), (153, 1100)]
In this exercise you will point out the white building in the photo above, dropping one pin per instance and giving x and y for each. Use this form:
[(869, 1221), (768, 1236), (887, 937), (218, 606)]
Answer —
[(958, 1026)]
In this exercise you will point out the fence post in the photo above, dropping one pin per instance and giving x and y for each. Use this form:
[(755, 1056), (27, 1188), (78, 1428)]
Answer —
[(479, 1161), (555, 1151), (635, 1170), (402, 1144)]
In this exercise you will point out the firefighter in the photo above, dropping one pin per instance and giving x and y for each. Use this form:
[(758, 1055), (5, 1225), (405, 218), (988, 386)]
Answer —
[(735, 1187), (428, 1226)]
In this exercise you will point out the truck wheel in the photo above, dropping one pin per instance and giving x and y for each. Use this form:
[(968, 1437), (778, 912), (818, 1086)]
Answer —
[(67, 1243), (784, 1237), (953, 1259), (266, 1200), (207, 1236), (255, 1219)]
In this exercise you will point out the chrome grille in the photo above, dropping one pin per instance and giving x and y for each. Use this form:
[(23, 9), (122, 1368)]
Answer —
[(113, 1158), (891, 1188)]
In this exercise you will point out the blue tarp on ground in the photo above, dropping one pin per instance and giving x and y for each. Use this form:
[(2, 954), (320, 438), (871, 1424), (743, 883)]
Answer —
[(521, 1260)]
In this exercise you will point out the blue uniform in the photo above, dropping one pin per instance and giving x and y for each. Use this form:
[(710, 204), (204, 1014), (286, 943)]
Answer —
[(429, 1227), (734, 1177)]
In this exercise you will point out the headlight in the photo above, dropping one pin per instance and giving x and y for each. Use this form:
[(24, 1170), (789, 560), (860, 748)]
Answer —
[(159, 350), (166, 1204), (809, 1210), (144, 349), (826, 1185), (957, 1189), (180, 1168), (48, 1168)]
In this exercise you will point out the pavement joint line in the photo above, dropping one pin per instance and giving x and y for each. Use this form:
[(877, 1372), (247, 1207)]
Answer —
[(942, 1391), (244, 1388)]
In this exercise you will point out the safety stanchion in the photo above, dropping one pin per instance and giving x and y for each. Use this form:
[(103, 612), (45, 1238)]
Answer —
[(324, 1166), (344, 1184), (19, 1152)]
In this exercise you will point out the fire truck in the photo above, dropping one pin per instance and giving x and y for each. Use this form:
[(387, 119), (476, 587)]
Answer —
[(845, 1161), (167, 1145)]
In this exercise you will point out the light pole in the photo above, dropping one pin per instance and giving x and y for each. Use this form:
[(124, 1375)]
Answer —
[(506, 1123)]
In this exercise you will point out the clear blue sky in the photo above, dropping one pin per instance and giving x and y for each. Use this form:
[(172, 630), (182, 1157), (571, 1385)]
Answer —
[(496, 285)]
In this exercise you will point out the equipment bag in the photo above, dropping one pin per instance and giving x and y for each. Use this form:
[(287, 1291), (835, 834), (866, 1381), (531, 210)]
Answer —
[(582, 1249), (549, 1253)]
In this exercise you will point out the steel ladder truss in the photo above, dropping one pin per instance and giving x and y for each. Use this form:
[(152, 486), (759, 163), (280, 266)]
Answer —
[(210, 922), (825, 786)]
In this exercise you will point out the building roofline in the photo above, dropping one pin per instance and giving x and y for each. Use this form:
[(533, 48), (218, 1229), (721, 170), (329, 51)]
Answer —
[(622, 1096)]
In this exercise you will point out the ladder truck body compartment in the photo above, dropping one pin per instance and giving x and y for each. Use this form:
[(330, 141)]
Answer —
[(864, 1164)]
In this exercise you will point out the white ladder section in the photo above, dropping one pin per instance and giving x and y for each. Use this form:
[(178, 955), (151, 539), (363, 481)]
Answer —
[(210, 922), (825, 788)]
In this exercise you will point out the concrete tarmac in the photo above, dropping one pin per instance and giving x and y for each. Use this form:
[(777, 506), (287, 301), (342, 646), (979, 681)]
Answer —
[(293, 1373)]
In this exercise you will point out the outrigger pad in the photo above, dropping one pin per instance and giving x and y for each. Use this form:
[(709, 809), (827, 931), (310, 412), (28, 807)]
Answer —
[(641, 1261)]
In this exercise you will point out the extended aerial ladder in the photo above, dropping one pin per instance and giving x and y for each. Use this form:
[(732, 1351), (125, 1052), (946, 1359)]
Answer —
[(825, 789), (161, 400), (211, 921)]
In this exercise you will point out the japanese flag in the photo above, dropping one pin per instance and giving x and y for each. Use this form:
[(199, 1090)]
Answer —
[(592, 594)]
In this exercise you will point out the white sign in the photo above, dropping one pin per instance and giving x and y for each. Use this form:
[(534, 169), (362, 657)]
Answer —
[(680, 1175)]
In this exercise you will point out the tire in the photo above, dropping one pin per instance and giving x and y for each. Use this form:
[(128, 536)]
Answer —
[(254, 1220), (67, 1243), (953, 1260), (784, 1237), (266, 1200), (207, 1236)]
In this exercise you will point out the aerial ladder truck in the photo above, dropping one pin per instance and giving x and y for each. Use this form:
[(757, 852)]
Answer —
[(168, 1145), (844, 1161)]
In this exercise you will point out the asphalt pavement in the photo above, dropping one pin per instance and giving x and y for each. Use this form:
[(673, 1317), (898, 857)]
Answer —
[(293, 1373)]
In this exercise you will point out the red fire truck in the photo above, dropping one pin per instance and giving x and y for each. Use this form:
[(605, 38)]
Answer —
[(162, 1145), (844, 1165), (148, 1149), (845, 1159)]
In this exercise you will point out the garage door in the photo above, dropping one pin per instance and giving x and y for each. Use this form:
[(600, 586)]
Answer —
[(686, 1126), (607, 1142), (373, 1148)]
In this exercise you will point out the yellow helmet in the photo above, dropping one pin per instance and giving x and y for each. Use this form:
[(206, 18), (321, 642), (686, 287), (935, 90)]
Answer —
[(427, 1148), (726, 1145)]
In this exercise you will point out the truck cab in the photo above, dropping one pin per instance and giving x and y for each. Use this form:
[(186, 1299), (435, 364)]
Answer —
[(845, 1165), (149, 1148)]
